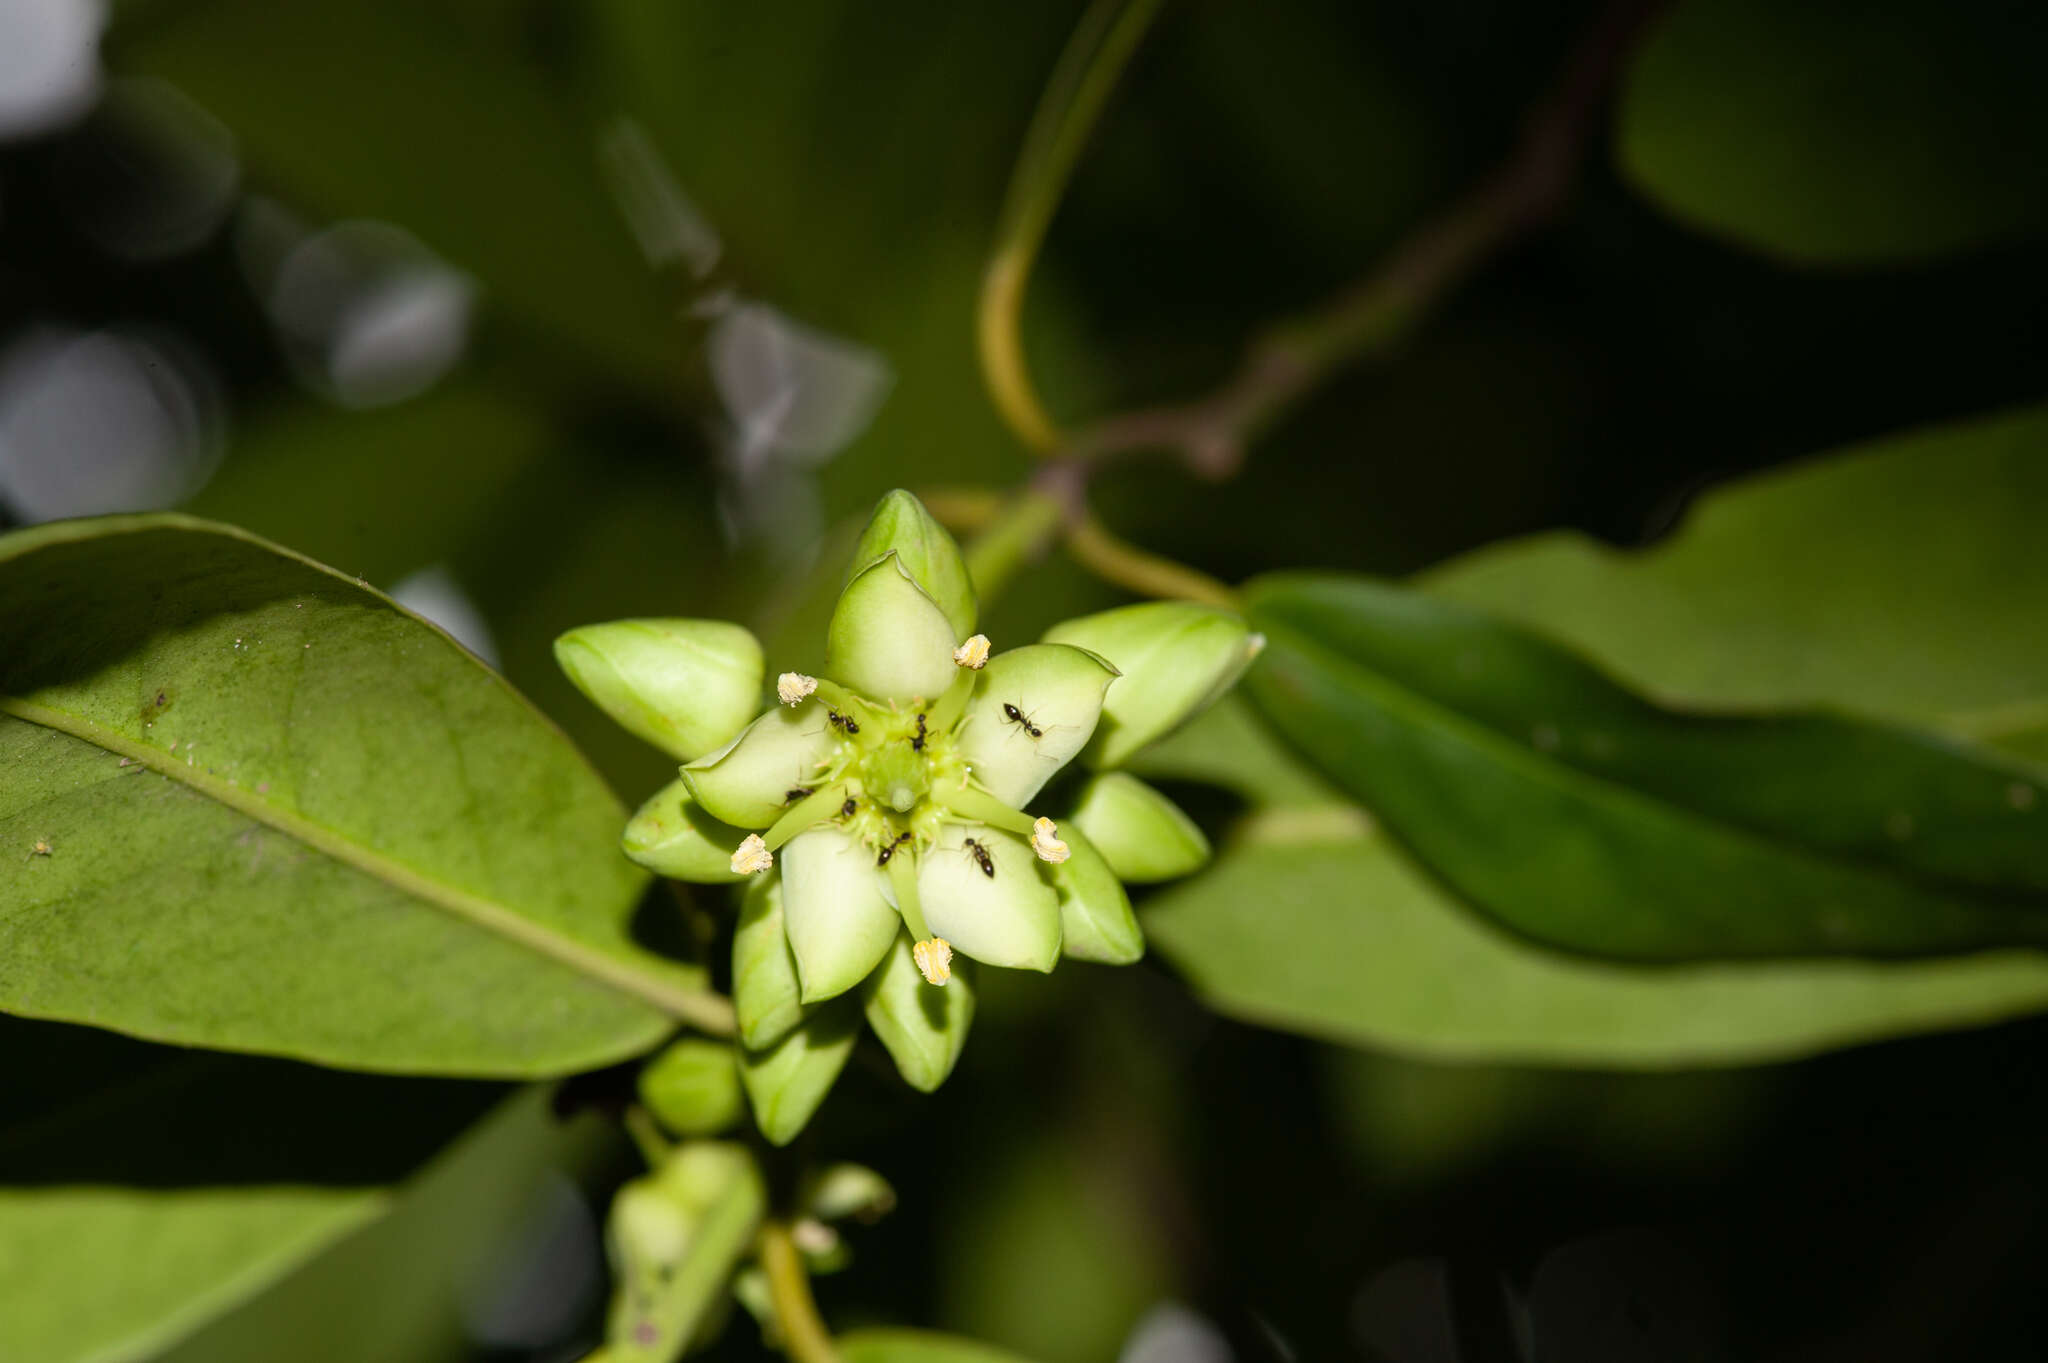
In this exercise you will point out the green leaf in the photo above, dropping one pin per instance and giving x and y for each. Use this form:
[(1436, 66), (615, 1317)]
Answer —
[(1852, 131), (917, 1346), (1340, 936), (1587, 818), (1902, 579), (418, 1283), (284, 816), (146, 1192)]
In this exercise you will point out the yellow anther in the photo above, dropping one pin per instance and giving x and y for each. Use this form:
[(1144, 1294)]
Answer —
[(752, 857), (1045, 840), (792, 687), (973, 653), (934, 957)]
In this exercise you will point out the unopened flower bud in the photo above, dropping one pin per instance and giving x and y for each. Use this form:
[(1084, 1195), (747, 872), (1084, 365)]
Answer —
[(973, 653), (753, 856), (934, 957), (1045, 840), (792, 687)]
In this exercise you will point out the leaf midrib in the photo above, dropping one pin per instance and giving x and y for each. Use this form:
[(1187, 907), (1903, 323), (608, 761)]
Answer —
[(692, 1005)]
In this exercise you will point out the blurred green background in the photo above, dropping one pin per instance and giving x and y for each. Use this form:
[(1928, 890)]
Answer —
[(541, 313)]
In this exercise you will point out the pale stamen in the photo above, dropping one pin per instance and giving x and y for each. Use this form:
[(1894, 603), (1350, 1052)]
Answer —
[(934, 958), (973, 653), (1045, 840), (752, 857), (792, 687)]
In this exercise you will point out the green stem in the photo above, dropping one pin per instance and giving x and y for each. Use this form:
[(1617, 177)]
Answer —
[(648, 1137), (1020, 534), (1116, 560), (804, 1336), (1073, 100)]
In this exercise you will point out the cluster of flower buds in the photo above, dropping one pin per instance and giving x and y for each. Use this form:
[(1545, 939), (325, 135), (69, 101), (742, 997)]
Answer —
[(884, 813)]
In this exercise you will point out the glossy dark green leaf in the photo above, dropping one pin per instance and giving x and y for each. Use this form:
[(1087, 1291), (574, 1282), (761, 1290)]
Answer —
[(255, 806), (1902, 579), (1311, 926), (1578, 814), (1852, 131), (149, 1189)]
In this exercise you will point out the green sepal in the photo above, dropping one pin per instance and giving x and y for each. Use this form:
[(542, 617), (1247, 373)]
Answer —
[(747, 783), (686, 686), (786, 1083), (1096, 922), (902, 525), (1055, 689), (888, 640), (1010, 919), (765, 993), (922, 1025), (675, 1238), (1176, 658), (838, 923), (674, 836), (1144, 836), (693, 1087)]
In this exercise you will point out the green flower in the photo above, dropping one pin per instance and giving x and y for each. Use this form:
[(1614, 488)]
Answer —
[(885, 812)]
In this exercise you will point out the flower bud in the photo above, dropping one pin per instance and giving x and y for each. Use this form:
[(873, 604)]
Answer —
[(675, 1238), (888, 639), (686, 686), (923, 1034), (902, 525), (693, 1087), (1176, 658), (841, 1190), (674, 836), (1141, 834), (1096, 922), (786, 1083)]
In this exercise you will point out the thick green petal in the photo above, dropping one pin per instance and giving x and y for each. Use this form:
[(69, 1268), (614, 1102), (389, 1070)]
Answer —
[(925, 550), (674, 836), (1055, 690), (787, 1082), (839, 924), (1144, 836), (1176, 658), (693, 1087), (685, 686), (1096, 922), (765, 993), (923, 1025), (1010, 918), (747, 782), (888, 640)]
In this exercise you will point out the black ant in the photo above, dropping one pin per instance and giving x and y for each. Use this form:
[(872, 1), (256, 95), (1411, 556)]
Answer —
[(795, 793), (917, 744), (890, 850), (982, 858), (1012, 715), (846, 722), (846, 810)]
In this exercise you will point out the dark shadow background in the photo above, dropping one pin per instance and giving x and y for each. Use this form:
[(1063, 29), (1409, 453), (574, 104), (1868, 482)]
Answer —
[(366, 279)]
